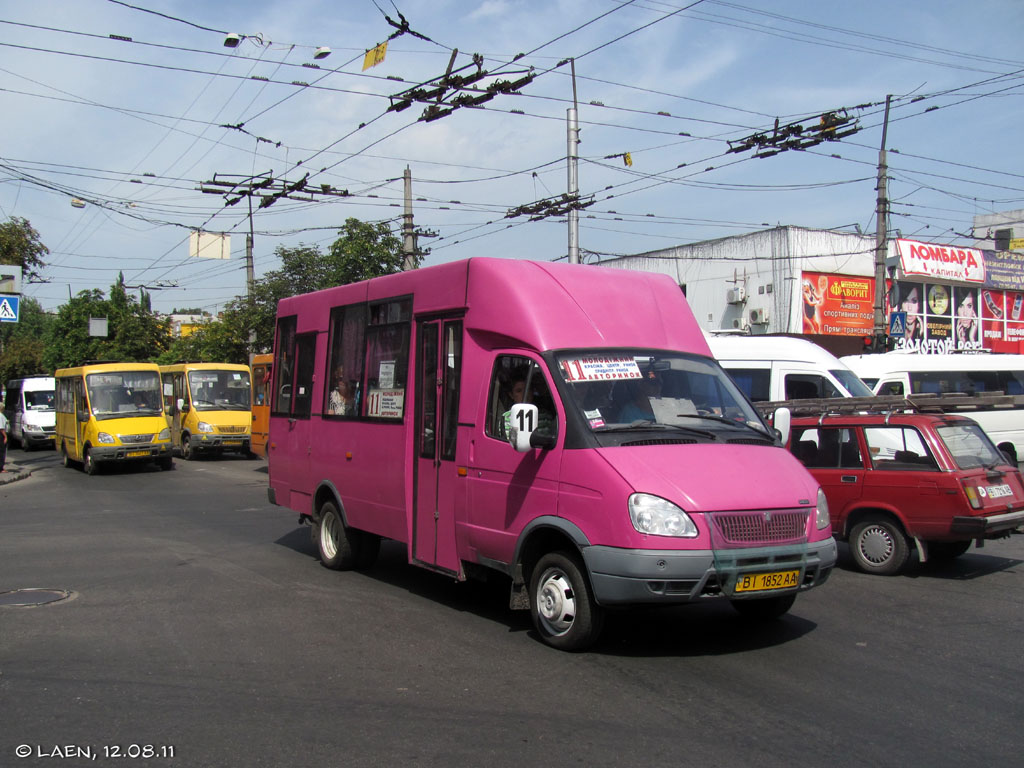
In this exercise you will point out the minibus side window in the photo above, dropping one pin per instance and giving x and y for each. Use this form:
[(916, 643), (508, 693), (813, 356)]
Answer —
[(65, 398), (891, 388), (518, 379), (801, 386), (342, 396), (387, 359), (305, 352), (755, 382), (284, 366), (1011, 382)]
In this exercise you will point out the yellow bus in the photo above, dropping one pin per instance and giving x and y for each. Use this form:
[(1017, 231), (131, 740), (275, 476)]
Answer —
[(208, 406), (260, 403), (111, 413)]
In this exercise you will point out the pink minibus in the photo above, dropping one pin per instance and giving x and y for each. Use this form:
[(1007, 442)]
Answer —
[(562, 424)]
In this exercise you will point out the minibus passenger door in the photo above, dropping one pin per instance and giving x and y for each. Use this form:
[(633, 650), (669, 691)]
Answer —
[(439, 362), (81, 419)]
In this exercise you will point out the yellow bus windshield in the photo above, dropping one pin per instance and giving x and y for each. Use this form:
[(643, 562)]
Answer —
[(121, 394)]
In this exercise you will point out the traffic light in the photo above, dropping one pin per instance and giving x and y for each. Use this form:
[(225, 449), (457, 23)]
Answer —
[(880, 342)]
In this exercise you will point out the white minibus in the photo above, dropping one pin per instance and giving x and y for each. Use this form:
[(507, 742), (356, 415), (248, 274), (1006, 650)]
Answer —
[(902, 373), (28, 404), (784, 368)]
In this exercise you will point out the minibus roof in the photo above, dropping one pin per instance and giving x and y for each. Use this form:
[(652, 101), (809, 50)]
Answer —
[(899, 362), (32, 383), (203, 367), (541, 305), (106, 368), (771, 348)]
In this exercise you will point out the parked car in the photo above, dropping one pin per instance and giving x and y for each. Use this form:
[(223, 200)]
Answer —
[(901, 479)]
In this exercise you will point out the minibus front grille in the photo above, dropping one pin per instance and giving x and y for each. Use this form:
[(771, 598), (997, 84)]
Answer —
[(666, 441), (766, 527), (232, 430), (749, 441), (136, 439)]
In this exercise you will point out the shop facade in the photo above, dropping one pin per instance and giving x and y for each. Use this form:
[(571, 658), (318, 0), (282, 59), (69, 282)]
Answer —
[(820, 284)]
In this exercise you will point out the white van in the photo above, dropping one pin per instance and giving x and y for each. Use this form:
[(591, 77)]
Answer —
[(29, 406), (784, 368), (904, 373)]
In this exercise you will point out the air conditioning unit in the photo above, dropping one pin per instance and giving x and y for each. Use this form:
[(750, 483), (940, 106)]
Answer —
[(759, 316), (736, 295)]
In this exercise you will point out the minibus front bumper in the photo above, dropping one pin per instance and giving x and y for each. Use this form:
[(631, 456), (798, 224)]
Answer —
[(205, 441), (630, 576), (140, 452)]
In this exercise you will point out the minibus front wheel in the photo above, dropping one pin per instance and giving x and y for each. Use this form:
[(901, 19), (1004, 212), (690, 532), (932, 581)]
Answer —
[(89, 463), (562, 604)]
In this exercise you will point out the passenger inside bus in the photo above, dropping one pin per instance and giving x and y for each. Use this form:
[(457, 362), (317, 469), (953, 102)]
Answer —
[(515, 391), (640, 393)]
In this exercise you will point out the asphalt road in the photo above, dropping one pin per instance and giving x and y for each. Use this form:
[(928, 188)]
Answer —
[(202, 629)]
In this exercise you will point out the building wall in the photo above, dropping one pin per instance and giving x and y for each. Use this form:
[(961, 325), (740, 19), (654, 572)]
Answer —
[(767, 265)]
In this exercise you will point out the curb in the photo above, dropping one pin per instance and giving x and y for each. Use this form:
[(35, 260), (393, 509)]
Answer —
[(13, 472)]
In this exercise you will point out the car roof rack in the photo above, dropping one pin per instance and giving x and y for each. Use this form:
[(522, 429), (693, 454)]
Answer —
[(887, 404)]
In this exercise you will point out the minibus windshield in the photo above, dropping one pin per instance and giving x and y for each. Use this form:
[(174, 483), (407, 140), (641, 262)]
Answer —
[(854, 385), (120, 394), (39, 399), (220, 390), (640, 389)]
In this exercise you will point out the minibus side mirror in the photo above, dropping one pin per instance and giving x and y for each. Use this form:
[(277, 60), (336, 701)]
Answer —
[(83, 416), (782, 421), (523, 421), (182, 405)]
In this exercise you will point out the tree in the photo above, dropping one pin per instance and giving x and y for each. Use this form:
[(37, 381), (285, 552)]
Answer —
[(213, 342), (362, 250), (21, 343), (20, 246), (134, 333)]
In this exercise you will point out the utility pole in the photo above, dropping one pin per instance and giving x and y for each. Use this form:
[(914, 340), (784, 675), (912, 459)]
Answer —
[(250, 271), (881, 238), (573, 140), (408, 233)]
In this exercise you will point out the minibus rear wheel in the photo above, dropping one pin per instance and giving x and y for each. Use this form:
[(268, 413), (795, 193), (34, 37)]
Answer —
[(336, 543), (562, 605)]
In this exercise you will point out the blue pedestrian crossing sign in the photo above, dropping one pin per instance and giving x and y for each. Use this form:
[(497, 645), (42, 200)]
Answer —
[(897, 324), (9, 307)]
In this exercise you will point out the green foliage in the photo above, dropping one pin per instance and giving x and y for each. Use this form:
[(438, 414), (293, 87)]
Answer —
[(21, 343), (213, 342), (362, 251), (135, 334), (20, 245)]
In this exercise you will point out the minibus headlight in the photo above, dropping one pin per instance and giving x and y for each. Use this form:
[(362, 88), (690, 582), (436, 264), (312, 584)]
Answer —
[(659, 517), (822, 517), (32, 428), (204, 427), (105, 437), (165, 434)]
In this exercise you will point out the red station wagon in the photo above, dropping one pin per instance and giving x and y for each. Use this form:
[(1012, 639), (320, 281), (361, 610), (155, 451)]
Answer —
[(898, 480)]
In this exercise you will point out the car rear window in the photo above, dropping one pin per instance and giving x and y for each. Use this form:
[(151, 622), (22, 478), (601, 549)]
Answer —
[(969, 446)]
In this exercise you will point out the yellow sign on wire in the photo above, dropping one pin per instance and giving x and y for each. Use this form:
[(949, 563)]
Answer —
[(375, 56), (628, 159)]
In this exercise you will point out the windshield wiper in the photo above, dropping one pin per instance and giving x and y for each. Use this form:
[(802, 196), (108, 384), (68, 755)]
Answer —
[(640, 424), (726, 420)]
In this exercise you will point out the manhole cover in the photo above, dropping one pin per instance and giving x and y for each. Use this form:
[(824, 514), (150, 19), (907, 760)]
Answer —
[(25, 597)]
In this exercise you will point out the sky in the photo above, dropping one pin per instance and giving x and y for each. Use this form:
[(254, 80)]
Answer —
[(129, 107)]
